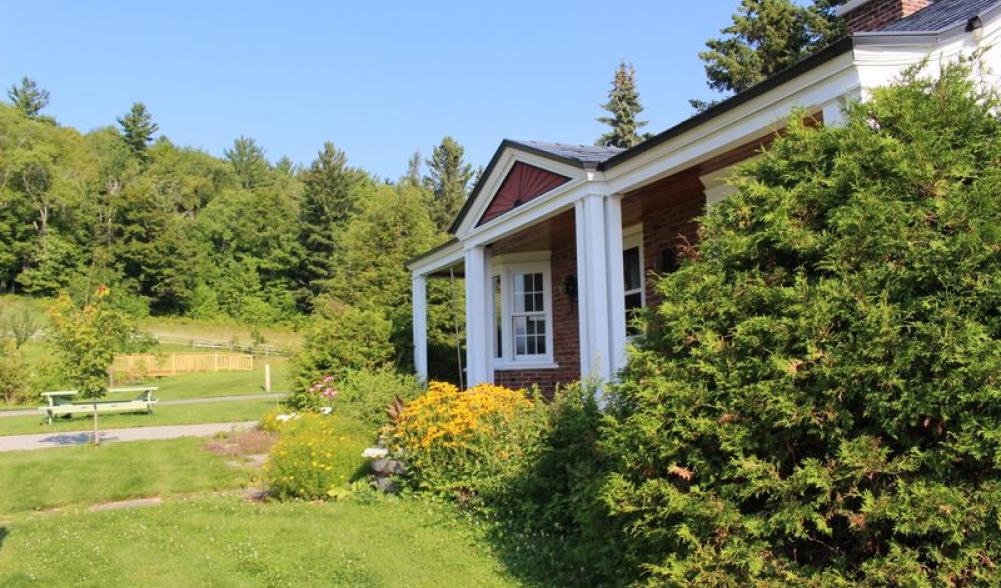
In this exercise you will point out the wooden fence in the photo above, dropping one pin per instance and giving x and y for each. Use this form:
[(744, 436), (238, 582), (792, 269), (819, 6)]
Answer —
[(167, 364)]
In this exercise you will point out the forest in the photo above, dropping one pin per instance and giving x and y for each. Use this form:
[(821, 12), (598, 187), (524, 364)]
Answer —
[(173, 230)]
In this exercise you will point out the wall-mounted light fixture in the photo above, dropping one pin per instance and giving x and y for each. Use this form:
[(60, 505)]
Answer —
[(570, 287)]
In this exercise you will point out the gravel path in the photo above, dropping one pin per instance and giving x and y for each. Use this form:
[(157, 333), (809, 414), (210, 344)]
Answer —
[(203, 400), (47, 440)]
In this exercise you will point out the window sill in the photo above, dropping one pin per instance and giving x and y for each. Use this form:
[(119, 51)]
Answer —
[(510, 366)]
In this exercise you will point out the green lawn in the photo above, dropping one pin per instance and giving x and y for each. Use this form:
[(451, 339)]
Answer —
[(49, 478), (222, 383), (215, 412), (224, 541), (206, 385), (197, 537)]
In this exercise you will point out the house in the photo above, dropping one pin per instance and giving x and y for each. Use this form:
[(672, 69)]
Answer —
[(557, 243)]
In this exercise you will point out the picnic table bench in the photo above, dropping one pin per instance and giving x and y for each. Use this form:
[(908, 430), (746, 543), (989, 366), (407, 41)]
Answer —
[(60, 403)]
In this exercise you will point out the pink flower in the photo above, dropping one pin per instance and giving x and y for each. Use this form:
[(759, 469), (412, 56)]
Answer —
[(328, 379)]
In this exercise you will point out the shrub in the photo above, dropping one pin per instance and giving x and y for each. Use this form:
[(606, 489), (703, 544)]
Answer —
[(20, 321), (365, 394), (342, 340), (315, 457), (465, 444), (15, 378), (817, 399)]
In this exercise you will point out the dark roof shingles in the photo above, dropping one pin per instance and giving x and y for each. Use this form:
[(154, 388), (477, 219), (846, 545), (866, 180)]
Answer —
[(940, 15), (587, 155)]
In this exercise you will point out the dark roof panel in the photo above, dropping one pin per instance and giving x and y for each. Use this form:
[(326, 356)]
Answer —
[(586, 155), (942, 14)]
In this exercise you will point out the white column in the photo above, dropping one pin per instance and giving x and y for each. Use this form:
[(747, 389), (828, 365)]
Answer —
[(477, 342), (616, 284), (583, 322), (592, 278), (420, 320)]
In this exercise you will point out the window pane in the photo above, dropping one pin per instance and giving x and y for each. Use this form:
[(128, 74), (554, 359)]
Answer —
[(520, 326), (632, 268)]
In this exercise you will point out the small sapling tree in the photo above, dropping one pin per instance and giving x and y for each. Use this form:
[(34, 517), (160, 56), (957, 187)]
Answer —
[(86, 338)]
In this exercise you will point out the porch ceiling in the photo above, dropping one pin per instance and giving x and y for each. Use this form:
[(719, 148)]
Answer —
[(541, 236)]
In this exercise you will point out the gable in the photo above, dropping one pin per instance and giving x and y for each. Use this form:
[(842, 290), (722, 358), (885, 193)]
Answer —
[(523, 183)]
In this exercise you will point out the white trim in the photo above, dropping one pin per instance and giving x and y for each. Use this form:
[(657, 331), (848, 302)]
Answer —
[(593, 289), (716, 185), (446, 257), (420, 329), (615, 280), (632, 237), (506, 267), (849, 6), (757, 117), (477, 347), (525, 365)]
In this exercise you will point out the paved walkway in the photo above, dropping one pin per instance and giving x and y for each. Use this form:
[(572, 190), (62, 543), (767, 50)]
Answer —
[(48, 440), (201, 400)]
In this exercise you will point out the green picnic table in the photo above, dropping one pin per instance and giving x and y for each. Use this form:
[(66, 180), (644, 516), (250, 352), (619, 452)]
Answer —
[(60, 402)]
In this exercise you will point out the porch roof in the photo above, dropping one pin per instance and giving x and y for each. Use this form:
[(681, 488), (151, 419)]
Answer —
[(938, 17)]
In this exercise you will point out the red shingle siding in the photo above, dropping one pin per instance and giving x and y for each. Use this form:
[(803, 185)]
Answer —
[(876, 14), (566, 347)]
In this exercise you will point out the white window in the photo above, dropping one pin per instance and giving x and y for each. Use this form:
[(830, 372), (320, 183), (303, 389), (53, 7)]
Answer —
[(634, 280), (522, 317)]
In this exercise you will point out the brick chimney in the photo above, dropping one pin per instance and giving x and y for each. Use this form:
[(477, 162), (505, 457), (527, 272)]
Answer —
[(871, 15)]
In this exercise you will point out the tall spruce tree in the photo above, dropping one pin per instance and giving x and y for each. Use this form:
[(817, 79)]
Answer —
[(448, 179), (414, 164), (248, 161), (138, 129), (27, 97), (624, 106), (328, 202), (765, 37)]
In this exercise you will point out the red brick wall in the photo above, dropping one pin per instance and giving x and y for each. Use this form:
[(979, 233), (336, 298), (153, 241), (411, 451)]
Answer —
[(566, 347), (674, 227), (876, 14)]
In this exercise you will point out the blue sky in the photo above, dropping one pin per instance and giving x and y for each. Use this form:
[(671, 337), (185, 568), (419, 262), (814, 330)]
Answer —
[(378, 78)]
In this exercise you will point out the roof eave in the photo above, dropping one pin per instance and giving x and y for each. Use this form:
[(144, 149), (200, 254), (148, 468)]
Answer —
[(824, 55)]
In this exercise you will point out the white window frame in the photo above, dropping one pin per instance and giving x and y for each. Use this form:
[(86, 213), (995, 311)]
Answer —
[(506, 266), (633, 237)]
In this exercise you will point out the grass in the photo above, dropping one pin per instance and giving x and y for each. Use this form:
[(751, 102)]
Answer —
[(48, 478), (188, 414), (227, 542), (204, 385), (211, 384), (196, 537)]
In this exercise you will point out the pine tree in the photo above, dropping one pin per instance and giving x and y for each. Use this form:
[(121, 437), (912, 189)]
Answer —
[(448, 179), (248, 161), (138, 129), (624, 106), (414, 165), (27, 97), (765, 37), (328, 203)]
